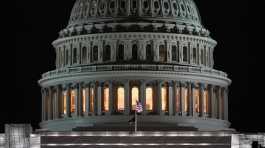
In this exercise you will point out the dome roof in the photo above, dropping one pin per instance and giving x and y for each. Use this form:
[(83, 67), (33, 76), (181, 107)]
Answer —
[(107, 11)]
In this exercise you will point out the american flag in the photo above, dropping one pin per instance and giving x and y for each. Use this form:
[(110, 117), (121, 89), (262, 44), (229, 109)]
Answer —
[(139, 107)]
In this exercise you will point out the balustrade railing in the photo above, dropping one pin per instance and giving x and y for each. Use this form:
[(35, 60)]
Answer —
[(99, 68)]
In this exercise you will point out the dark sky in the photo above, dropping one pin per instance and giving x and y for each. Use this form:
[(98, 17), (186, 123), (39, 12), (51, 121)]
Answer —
[(38, 24)]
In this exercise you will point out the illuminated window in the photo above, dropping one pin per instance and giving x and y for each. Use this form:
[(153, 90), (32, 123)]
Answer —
[(106, 99), (73, 95), (164, 97), (177, 99), (64, 102), (205, 101), (84, 100), (91, 102), (197, 100), (120, 102), (162, 53), (186, 101), (149, 98), (135, 97)]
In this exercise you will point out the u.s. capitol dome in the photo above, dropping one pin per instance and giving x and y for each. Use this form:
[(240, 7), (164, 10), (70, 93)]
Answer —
[(115, 52)]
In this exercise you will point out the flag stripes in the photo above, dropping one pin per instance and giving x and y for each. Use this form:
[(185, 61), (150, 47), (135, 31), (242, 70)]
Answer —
[(139, 107)]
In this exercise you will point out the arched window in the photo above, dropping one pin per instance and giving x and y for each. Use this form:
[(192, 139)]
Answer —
[(186, 101), (74, 56), (205, 101), (84, 93), (197, 100), (120, 99), (106, 99), (134, 52), (106, 53), (120, 53), (149, 98), (164, 97), (91, 100), (162, 53), (135, 97), (84, 55), (174, 53), (178, 107), (185, 54), (73, 104), (95, 53), (149, 53)]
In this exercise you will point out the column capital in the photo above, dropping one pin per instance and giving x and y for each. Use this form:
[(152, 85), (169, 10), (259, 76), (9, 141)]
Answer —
[(202, 85), (183, 84), (170, 83), (101, 83), (193, 84)]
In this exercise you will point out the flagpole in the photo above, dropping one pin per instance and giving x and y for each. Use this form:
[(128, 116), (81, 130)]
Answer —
[(135, 124)]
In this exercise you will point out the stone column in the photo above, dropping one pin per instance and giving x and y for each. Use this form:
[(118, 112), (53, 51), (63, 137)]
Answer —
[(95, 106), (182, 99), (142, 50), (87, 99), (143, 96), (111, 98), (170, 98), (68, 101), (43, 95), (193, 87), (158, 96), (60, 101), (100, 51), (55, 105), (156, 51), (127, 98), (50, 104), (190, 96), (174, 100), (201, 104), (220, 101), (169, 52), (113, 50), (211, 101), (88, 53), (178, 98), (99, 98), (128, 50), (226, 92), (180, 52), (80, 100)]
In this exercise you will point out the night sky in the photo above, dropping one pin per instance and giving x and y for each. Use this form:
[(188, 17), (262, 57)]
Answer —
[(38, 24)]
